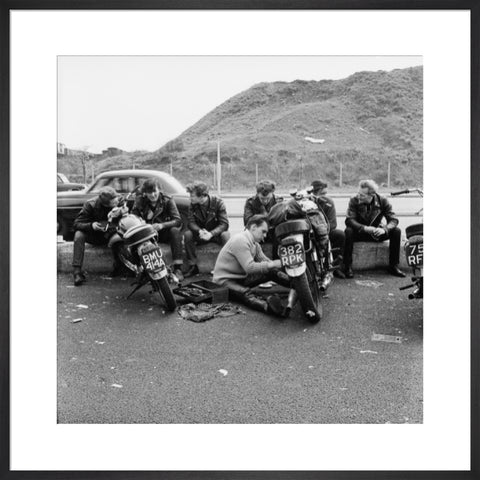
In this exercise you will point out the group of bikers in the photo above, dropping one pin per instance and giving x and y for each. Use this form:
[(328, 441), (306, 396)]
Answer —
[(241, 263)]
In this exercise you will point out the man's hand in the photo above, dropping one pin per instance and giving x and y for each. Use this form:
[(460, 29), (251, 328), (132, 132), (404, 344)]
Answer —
[(97, 227), (378, 232), (369, 230), (157, 226), (207, 236), (274, 264)]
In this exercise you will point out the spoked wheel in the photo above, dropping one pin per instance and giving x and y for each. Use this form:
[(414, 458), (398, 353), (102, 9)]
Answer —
[(309, 296), (163, 288)]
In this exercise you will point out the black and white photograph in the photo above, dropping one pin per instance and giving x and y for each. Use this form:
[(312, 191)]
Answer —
[(240, 239), (235, 283)]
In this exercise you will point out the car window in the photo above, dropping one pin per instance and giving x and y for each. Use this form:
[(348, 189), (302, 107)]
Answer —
[(101, 182), (61, 178), (172, 185)]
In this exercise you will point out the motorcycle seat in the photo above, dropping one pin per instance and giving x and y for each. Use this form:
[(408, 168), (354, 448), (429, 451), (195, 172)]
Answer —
[(292, 226), (139, 234), (414, 230)]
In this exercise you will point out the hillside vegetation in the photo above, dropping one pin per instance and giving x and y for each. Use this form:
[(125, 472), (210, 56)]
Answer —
[(362, 123)]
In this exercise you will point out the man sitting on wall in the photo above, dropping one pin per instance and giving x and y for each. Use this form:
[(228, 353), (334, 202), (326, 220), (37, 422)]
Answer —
[(91, 227), (336, 236), (207, 222), (262, 202), (364, 224), (242, 265), (160, 210)]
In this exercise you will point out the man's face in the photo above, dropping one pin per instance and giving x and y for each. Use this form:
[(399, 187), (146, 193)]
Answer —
[(195, 199), (259, 232), (109, 203), (364, 196), (319, 193), (153, 195), (265, 197)]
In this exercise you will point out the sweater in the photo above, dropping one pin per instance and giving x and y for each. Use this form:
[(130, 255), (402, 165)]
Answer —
[(239, 257)]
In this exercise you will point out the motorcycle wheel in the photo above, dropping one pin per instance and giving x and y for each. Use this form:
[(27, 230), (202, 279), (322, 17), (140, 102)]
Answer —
[(163, 288), (309, 295)]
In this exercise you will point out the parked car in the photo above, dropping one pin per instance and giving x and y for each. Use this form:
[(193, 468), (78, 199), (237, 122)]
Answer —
[(63, 184), (70, 203)]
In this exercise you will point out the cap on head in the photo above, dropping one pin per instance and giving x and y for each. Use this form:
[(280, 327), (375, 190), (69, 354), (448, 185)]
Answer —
[(319, 185), (265, 187)]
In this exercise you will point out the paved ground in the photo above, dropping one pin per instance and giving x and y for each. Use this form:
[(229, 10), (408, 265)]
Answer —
[(128, 361)]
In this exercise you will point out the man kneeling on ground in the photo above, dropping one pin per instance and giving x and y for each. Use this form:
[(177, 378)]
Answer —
[(242, 265)]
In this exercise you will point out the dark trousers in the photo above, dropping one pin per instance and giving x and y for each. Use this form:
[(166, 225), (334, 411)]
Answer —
[(192, 240), (337, 240), (240, 290), (173, 236), (79, 240), (352, 236)]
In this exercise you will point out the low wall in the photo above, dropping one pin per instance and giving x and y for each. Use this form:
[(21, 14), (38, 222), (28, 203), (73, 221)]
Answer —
[(366, 256)]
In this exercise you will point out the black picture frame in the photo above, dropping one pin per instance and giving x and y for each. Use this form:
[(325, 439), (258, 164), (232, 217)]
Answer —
[(5, 266)]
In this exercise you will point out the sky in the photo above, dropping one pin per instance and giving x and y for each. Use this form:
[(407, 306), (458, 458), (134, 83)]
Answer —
[(142, 102)]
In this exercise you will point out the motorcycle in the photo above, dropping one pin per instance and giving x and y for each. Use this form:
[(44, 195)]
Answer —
[(306, 255), (414, 250), (140, 253)]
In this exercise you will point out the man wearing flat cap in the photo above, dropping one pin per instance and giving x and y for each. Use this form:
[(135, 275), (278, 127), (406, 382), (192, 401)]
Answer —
[(91, 227), (336, 236)]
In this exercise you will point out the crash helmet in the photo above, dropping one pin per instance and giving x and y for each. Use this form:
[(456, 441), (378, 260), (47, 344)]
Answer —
[(127, 222)]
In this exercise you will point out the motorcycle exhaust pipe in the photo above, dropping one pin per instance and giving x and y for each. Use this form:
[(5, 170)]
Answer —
[(292, 300), (326, 282)]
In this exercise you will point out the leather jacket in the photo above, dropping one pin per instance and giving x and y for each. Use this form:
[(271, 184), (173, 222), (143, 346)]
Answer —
[(212, 216), (360, 215), (253, 206), (93, 211), (164, 211)]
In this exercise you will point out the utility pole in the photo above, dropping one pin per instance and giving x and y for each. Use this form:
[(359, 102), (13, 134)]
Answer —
[(388, 175), (219, 170), (256, 173), (340, 181)]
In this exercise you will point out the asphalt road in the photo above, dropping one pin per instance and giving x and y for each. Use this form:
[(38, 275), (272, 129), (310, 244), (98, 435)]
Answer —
[(127, 361)]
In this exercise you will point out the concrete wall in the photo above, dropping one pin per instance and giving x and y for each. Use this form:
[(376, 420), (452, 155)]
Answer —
[(366, 256)]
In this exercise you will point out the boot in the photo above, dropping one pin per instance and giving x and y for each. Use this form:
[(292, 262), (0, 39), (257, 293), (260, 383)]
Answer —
[(275, 306), (348, 271), (78, 277)]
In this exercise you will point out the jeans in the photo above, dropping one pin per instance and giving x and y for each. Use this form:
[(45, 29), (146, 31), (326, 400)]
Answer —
[(240, 290), (173, 236), (337, 240), (79, 240), (352, 236), (192, 239)]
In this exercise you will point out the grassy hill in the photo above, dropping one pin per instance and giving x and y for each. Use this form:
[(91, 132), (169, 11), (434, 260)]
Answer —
[(365, 121)]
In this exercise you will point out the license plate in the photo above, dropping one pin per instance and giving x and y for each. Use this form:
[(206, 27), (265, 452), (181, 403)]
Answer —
[(414, 254), (152, 261), (291, 255)]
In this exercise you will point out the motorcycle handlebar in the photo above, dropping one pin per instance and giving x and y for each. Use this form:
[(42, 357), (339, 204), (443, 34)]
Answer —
[(400, 192)]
